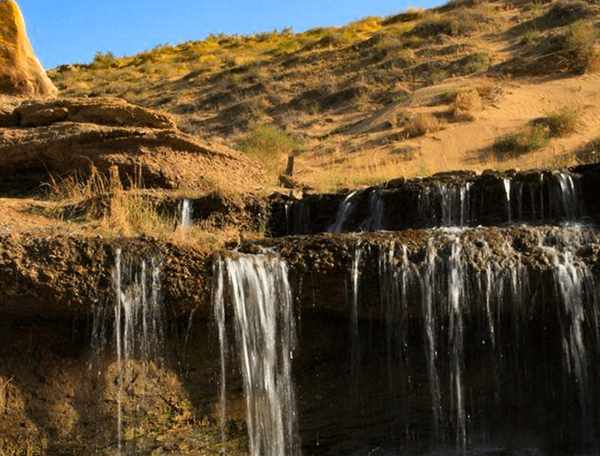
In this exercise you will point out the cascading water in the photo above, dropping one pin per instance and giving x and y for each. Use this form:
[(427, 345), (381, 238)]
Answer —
[(494, 299), (138, 323), (507, 190), (446, 205), (185, 214), (257, 288), (345, 209), (465, 339), (488, 200)]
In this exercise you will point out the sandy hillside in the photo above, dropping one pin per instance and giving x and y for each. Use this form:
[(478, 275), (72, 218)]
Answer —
[(407, 95)]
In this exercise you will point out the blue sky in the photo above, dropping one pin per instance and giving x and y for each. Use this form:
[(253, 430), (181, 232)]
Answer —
[(72, 31)]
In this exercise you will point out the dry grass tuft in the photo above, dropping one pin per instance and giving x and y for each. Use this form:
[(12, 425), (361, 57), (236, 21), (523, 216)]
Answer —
[(562, 122), (421, 125), (412, 14), (466, 105), (270, 146), (530, 138), (102, 198), (537, 134), (579, 42)]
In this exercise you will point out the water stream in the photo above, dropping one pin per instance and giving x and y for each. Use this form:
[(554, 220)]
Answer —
[(259, 292), (184, 209), (138, 323)]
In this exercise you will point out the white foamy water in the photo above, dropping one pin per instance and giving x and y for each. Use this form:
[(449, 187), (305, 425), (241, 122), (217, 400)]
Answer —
[(257, 288)]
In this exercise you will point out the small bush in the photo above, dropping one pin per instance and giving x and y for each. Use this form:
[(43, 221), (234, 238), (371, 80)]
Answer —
[(448, 96), (270, 146), (531, 38), (450, 25), (103, 60), (476, 62), (456, 23), (421, 125), (579, 41), (459, 4), (531, 138), (411, 14), (591, 153), (466, 104), (562, 122), (437, 76)]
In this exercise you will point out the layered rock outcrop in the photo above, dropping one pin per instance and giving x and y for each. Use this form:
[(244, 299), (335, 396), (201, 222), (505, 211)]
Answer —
[(41, 141), (21, 73)]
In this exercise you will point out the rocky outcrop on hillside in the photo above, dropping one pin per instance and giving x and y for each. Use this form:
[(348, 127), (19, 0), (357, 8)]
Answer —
[(21, 73), (42, 141)]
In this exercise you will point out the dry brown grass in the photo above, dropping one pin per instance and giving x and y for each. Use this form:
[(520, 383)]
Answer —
[(466, 105), (101, 201), (422, 124)]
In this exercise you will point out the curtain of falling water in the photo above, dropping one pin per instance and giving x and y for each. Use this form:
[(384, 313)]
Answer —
[(258, 289), (138, 323), (449, 291), (185, 214)]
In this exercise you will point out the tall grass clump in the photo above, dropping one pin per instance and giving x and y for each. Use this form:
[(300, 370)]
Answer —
[(530, 138), (537, 134), (580, 42), (563, 121), (270, 146), (101, 198)]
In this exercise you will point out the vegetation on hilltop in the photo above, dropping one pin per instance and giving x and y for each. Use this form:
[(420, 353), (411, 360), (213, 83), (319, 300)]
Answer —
[(330, 87)]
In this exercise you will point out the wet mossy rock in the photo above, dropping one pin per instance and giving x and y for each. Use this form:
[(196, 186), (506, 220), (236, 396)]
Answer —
[(21, 74)]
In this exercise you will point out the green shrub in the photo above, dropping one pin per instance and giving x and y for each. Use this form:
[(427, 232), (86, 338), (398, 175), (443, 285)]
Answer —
[(532, 137), (590, 153), (102, 60), (579, 41), (532, 38), (270, 146), (476, 62), (437, 76), (562, 122)]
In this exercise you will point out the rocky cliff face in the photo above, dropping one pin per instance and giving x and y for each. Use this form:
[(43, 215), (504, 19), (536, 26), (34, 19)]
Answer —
[(21, 73), (416, 339), (41, 141)]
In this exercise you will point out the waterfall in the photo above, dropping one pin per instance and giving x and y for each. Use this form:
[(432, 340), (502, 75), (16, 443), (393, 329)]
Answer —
[(446, 204), (257, 288), (355, 365), (566, 196), (507, 187), (138, 318), (375, 221), (451, 292), (185, 214), (466, 338), (343, 212)]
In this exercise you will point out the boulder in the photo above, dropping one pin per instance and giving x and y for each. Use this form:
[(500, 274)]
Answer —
[(21, 74)]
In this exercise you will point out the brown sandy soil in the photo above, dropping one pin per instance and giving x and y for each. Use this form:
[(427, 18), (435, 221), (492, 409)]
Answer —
[(468, 145)]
